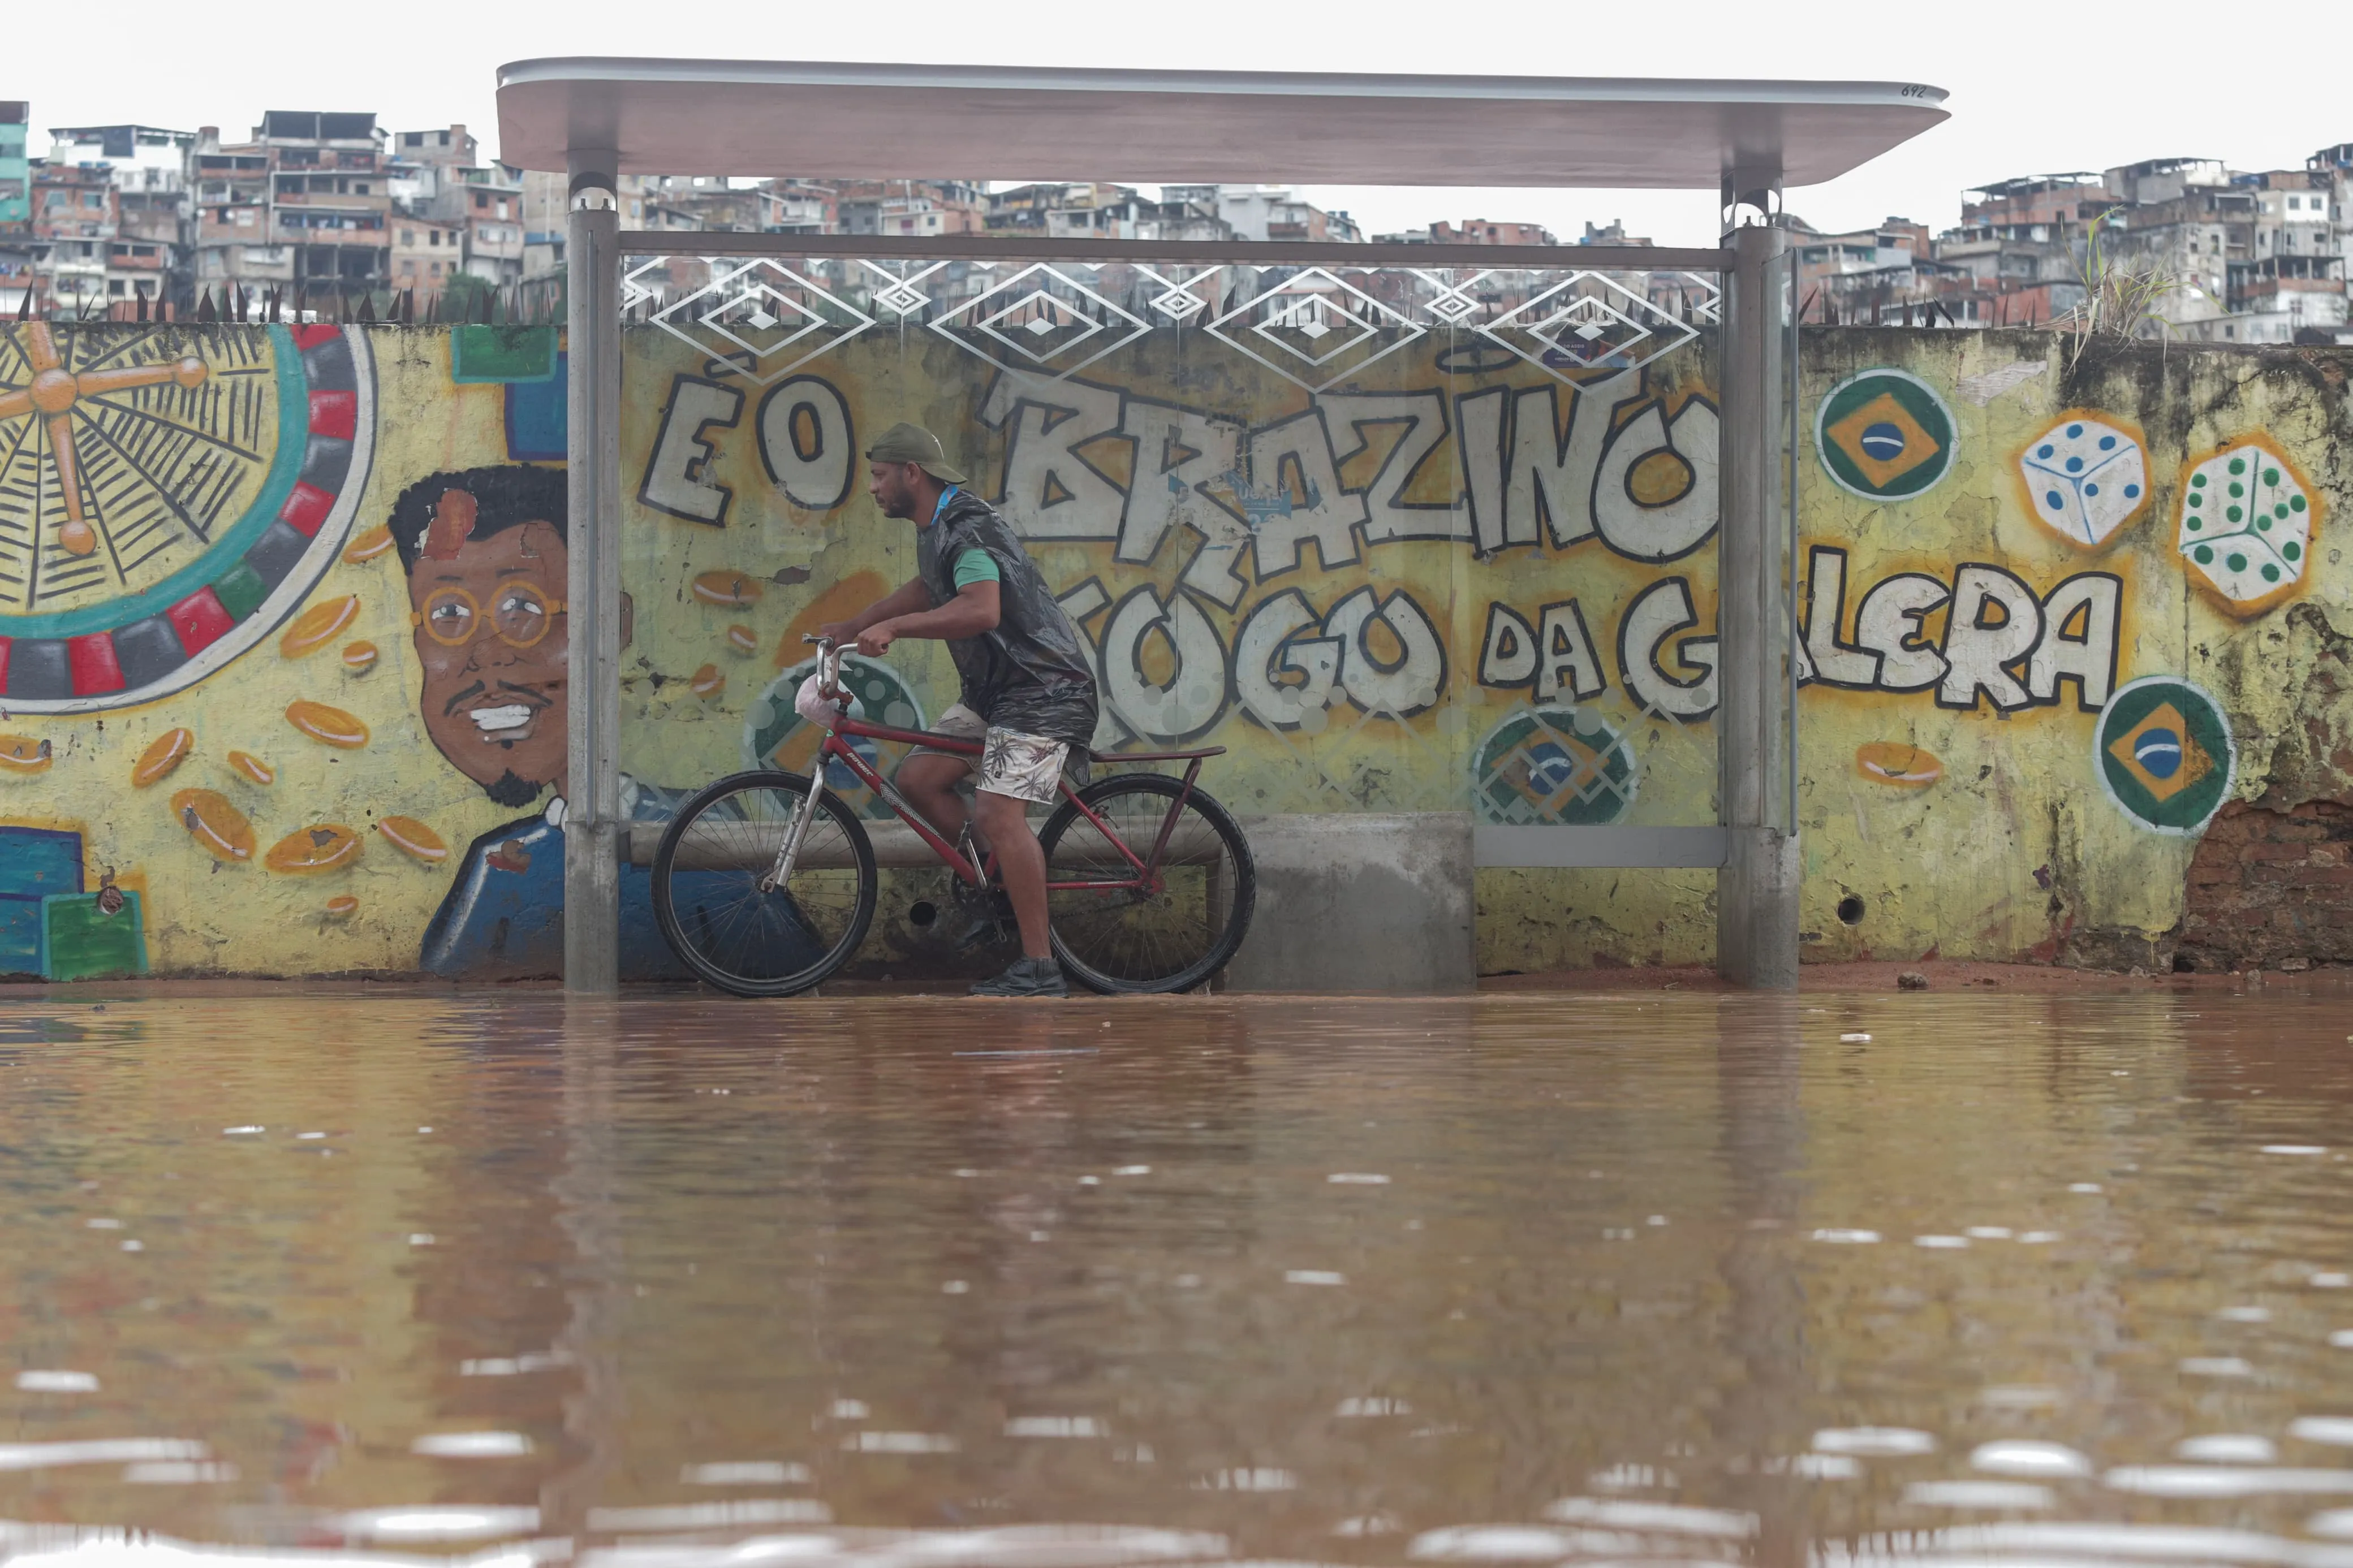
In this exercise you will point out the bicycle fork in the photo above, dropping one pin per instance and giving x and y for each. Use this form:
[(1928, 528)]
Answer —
[(789, 851)]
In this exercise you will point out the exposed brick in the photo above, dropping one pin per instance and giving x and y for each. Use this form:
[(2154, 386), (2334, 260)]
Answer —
[(2318, 876), (2268, 885)]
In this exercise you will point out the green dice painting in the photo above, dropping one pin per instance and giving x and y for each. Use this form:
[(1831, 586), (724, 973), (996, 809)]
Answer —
[(2247, 523)]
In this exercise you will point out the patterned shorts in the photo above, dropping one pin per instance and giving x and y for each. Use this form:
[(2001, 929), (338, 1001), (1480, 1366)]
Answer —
[(1027, 767)]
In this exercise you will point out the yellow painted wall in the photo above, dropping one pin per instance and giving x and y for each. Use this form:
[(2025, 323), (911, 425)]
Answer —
[(2017, 850), (205, 914), (1192, 506)]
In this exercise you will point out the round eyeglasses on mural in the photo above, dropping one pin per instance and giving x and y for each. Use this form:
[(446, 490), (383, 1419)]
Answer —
[(168, 495), (2163, 752), (1886, 435), (521, 618)]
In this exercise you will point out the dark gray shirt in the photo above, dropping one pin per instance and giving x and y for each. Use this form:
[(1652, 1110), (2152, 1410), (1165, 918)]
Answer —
[(1028, 673)]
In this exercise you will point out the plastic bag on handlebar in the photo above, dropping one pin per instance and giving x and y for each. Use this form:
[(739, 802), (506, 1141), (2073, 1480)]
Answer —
[(819, 710)]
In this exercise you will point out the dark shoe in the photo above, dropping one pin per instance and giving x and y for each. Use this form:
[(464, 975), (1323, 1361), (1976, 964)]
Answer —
[(1027, 977)]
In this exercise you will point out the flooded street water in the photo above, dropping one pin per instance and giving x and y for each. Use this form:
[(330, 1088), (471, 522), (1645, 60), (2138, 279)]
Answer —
[(1527, 1278)]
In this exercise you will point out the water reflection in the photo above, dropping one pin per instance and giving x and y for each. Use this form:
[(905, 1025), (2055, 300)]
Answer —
[(1679, 1280)]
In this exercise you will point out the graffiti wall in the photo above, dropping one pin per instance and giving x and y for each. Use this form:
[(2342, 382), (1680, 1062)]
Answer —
[(2060, 612), (282, 619)]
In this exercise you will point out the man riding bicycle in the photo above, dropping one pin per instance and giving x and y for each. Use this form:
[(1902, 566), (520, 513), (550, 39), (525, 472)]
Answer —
[(1028, 688)]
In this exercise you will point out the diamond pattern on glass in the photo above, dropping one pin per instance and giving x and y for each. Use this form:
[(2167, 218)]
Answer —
[(1314, 330), (642, 284), (1316, 327), (1177, 301), (897, 293), (1588, 327), (1453, 302), (762, 320), (1704, 301), (1451, 308), (1041, 320)]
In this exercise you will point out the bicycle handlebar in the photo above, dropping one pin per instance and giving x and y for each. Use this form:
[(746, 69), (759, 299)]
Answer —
[(828, 664)]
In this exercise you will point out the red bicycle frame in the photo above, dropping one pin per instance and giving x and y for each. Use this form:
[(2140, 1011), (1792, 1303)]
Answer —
[(836, 748)]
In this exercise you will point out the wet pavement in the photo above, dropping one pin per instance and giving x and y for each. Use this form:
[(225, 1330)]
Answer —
[(1527, 1278)]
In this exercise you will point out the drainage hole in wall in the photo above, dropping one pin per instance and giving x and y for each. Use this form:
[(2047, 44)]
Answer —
[(922, 914), (1850, 909)]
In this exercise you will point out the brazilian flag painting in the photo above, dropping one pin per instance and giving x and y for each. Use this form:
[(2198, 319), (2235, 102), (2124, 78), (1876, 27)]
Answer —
[(1884, 434), (2163, 751)]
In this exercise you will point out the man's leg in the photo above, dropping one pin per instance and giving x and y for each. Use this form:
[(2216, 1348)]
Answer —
[(928, 779), (1022, 865)]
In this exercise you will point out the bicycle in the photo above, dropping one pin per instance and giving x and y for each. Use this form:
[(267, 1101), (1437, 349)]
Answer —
[(765, 885)]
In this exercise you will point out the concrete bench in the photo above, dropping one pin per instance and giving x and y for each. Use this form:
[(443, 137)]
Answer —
[(896, 848), (1346, 902)]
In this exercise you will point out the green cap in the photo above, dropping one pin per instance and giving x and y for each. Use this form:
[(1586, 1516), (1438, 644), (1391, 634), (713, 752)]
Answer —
[(904, 443)]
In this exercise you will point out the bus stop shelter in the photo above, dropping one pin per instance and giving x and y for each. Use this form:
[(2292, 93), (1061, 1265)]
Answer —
[(595, 119)]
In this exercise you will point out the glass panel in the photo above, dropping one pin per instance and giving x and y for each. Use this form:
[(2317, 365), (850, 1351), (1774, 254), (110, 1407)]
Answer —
[(1401, 539)]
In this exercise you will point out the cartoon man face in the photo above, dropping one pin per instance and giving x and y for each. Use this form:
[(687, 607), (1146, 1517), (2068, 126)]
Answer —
[(487, 568), (490, 636)]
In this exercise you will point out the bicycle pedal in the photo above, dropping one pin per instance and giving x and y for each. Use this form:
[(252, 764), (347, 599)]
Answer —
[(980, 934)]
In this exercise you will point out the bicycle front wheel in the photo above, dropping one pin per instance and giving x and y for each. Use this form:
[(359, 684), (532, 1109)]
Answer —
[(737, 935), (1124, 933)]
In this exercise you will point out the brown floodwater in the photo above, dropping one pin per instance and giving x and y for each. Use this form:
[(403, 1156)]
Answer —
[(1665, 1278)]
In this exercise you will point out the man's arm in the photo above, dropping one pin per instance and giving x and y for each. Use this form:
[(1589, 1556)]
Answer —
[(904, 600), (973, 611)]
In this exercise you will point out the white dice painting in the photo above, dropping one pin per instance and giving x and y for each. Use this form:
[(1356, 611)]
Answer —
[(2085, 479), (2246, 525)]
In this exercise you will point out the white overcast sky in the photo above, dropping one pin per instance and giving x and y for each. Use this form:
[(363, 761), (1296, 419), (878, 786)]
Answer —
[(2035, 86)]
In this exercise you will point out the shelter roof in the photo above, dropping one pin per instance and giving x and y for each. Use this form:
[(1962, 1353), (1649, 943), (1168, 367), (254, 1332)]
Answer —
[(886, 122)]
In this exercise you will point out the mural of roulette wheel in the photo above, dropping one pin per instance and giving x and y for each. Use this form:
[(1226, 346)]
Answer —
[(168, 497)]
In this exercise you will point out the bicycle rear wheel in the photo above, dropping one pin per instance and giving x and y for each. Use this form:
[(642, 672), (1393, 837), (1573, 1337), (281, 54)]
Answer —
[(712, 910), (1127, 936)]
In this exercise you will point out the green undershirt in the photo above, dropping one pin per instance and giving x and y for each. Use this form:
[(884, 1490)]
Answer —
[(976, 566)]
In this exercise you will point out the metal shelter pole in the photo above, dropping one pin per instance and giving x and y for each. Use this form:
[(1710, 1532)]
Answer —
[(1757, 888), (592, 825)]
